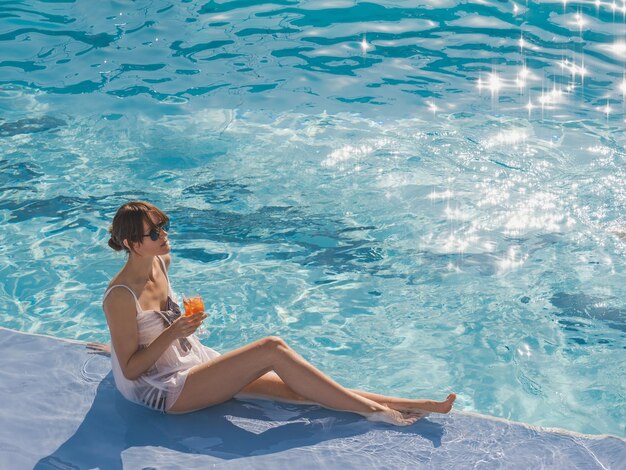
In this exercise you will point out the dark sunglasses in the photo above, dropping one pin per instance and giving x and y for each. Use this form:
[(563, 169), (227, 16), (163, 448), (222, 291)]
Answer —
[(155, 233)]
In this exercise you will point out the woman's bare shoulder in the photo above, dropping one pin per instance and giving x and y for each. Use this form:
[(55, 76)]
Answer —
[(120, 298)]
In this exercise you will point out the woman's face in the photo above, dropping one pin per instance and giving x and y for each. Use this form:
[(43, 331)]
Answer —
[(150, 247)]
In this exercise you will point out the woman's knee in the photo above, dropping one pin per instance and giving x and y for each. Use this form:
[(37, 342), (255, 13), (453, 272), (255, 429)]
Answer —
[(274, 343)]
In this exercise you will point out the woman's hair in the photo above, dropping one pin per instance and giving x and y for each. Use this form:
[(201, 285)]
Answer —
[(128, 223)]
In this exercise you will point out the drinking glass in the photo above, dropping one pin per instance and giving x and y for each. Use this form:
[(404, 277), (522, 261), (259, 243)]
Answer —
[(194, 304)]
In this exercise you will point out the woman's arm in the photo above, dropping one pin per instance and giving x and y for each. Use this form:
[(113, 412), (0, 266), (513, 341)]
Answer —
[(121, 315)]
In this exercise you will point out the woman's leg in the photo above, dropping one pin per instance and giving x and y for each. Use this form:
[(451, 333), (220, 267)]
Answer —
[(219, 380), (405, 404), (271, 387)]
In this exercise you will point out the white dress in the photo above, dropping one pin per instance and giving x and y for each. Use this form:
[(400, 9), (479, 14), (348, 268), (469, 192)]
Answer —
[(160, 386)]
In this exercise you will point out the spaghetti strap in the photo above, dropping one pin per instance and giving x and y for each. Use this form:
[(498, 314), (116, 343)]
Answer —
[(139, 309)]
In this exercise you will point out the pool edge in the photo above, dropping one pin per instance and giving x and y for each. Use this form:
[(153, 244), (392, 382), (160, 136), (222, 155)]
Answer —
[(474, 414)]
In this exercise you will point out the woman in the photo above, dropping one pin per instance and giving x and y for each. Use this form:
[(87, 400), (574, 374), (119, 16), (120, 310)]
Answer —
[(158, 362)]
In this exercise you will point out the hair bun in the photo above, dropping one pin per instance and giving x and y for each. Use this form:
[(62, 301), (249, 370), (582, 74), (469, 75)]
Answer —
[(116, 246)]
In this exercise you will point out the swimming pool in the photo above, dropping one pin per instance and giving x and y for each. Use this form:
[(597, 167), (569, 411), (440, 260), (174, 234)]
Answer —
[(418, 199)]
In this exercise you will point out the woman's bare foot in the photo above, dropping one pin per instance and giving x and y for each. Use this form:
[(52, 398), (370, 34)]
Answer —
[(394, 417), (426, 406), (446, 405)]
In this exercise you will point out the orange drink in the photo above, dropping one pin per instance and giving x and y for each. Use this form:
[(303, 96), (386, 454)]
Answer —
[(193, 305)]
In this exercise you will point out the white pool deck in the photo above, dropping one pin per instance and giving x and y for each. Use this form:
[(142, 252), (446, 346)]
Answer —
[(59, 409)]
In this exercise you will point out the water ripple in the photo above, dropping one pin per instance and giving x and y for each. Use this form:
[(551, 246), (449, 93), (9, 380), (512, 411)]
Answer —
[(389, 51), (433, 190)]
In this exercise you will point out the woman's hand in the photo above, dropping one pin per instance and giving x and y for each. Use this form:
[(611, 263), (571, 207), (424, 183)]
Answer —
[(185, 325)]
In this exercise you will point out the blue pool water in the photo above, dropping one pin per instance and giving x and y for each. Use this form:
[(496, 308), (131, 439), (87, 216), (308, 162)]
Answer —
[(419, 199)]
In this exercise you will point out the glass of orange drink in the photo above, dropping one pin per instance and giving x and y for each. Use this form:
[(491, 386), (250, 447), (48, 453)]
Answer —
[(193, 304)]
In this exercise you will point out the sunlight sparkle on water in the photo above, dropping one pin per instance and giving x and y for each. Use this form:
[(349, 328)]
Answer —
[(457, 214), (524, 350), (520, 80), (619, 48), (512, 260), (580, 21), (556, 90), (458, 244), (493, 83), (551, 97), (440, 195), (540, 211), (347, 153), (573, 68), (507, 138), (365, 45)]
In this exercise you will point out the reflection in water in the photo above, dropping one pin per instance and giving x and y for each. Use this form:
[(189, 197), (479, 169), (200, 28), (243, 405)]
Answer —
[(588, 309), (30, 126)]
